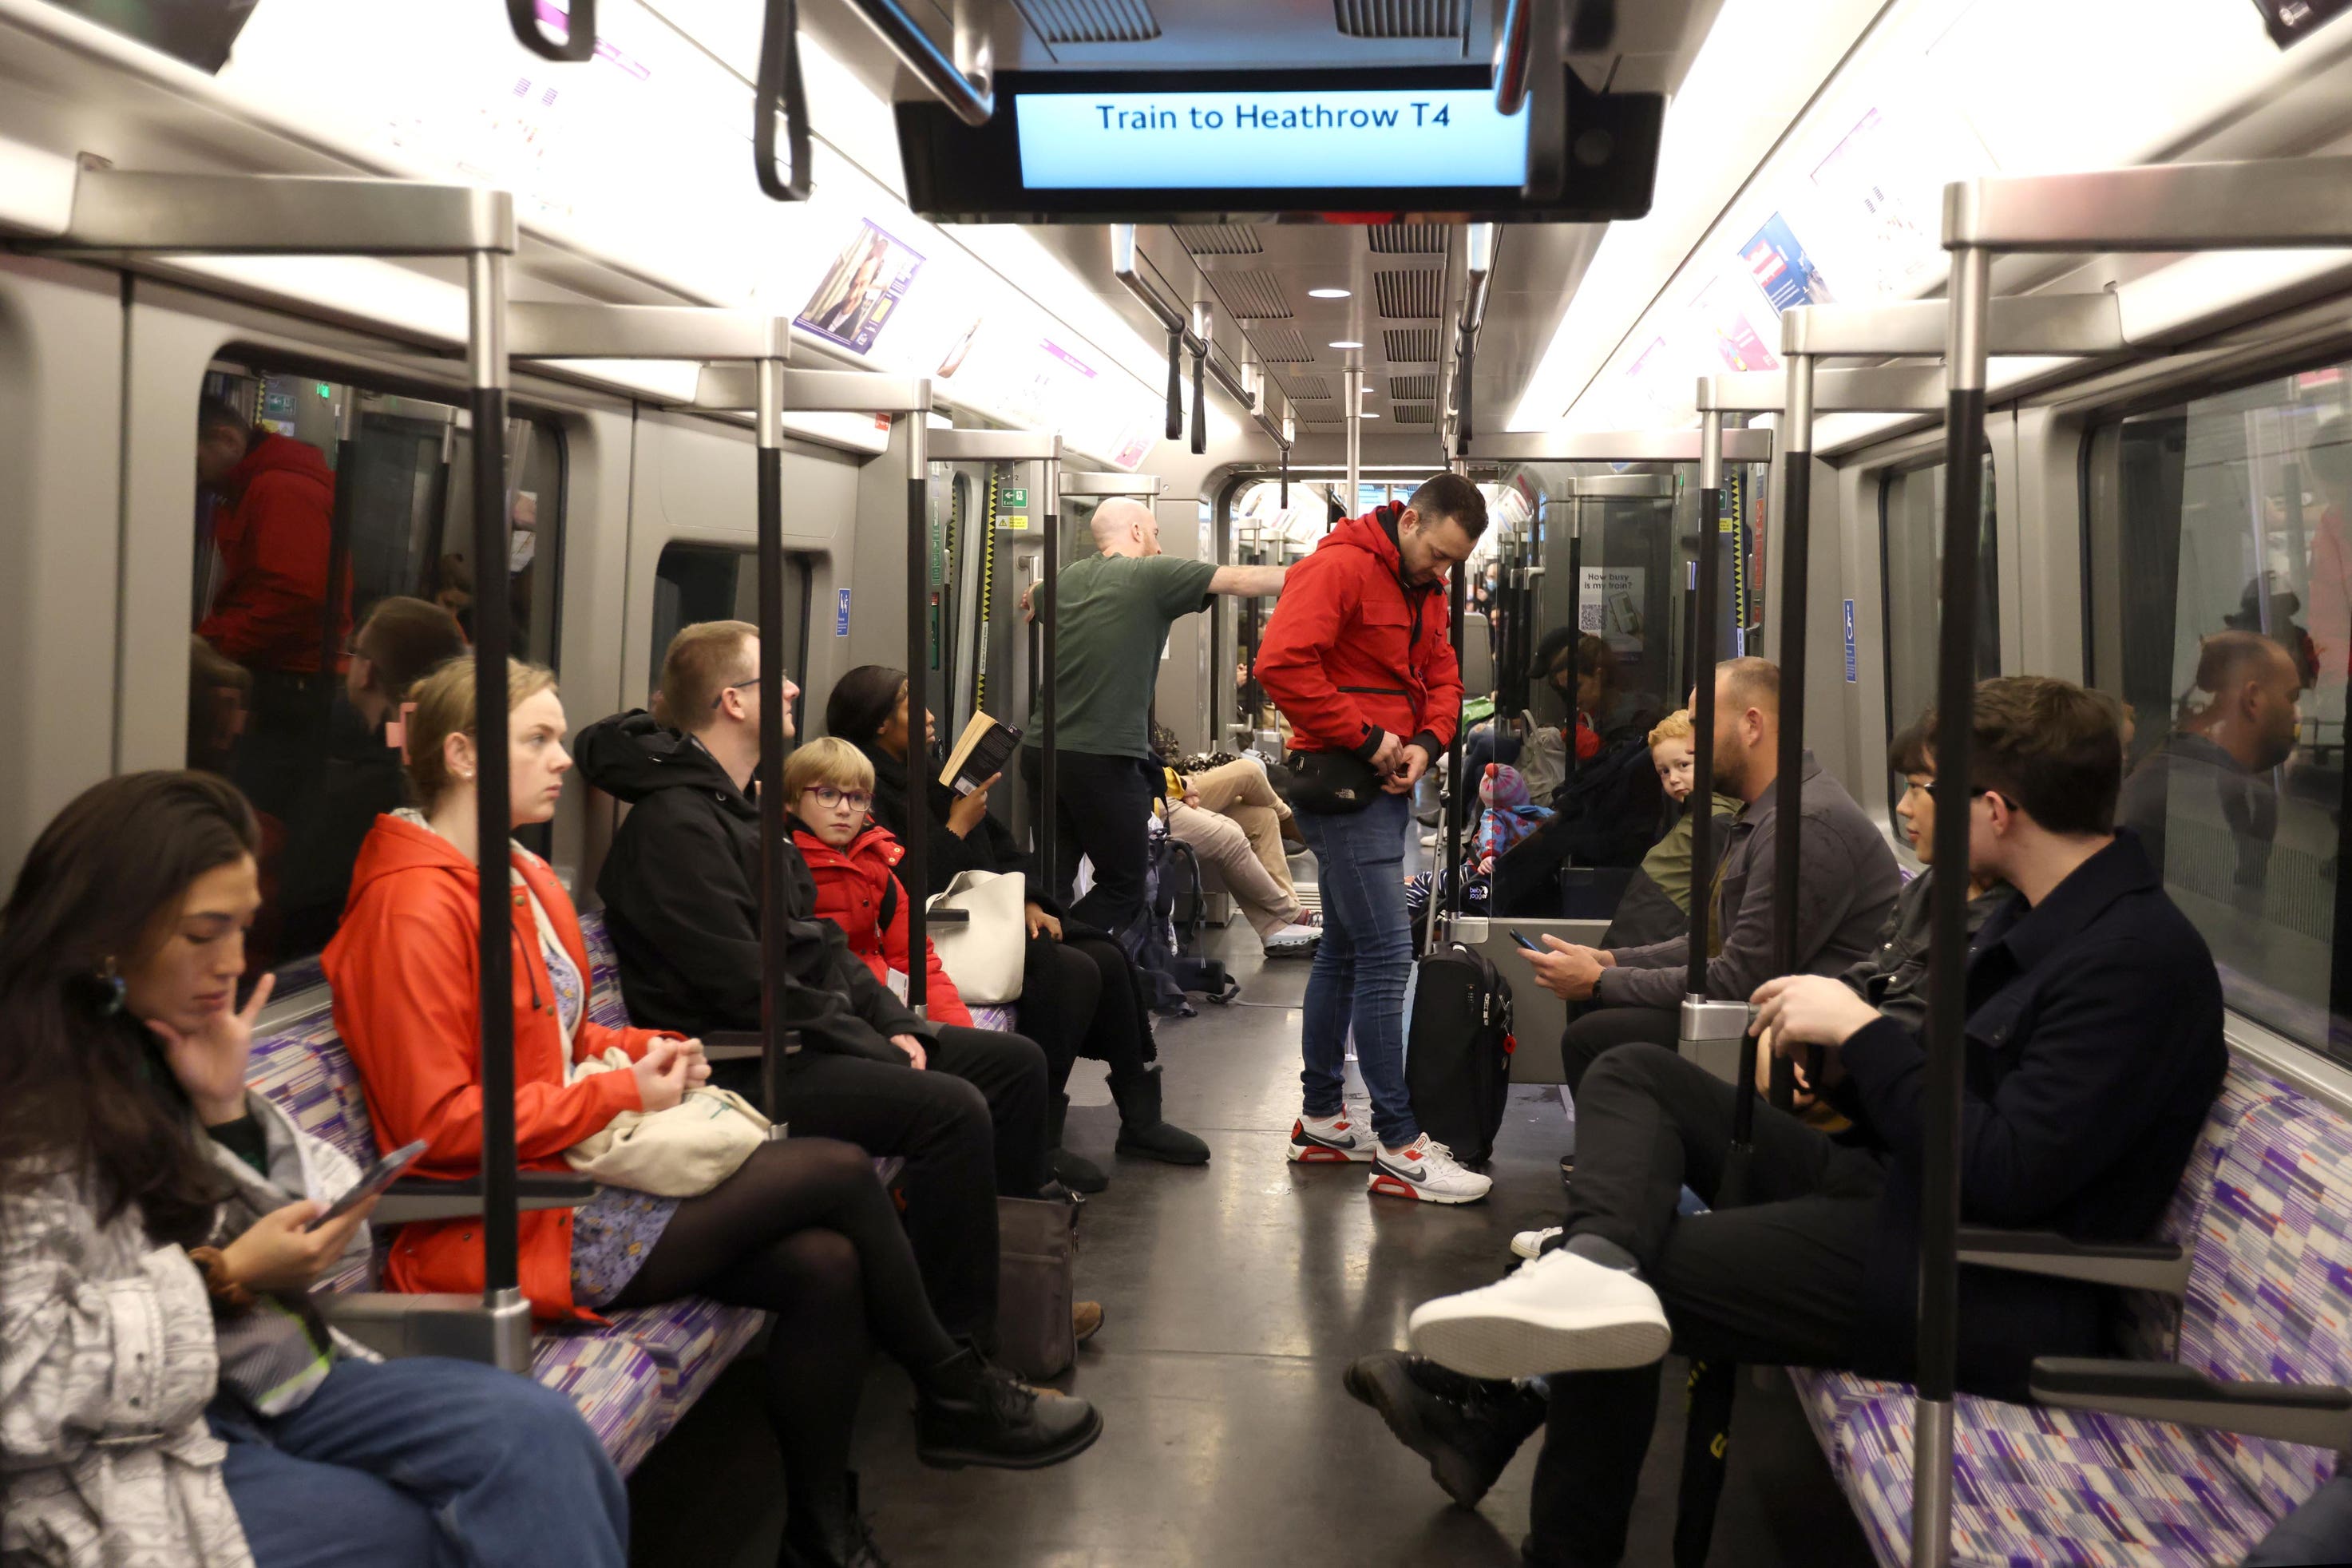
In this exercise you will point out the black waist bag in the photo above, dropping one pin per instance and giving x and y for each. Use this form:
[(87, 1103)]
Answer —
[(1333, 783)]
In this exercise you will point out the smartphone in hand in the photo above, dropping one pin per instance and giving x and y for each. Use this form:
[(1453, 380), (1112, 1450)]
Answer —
[(378, 1176), (1521, 938)]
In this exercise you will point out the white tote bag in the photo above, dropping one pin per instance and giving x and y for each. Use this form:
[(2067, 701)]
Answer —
[(983, 954), (680, 1152)]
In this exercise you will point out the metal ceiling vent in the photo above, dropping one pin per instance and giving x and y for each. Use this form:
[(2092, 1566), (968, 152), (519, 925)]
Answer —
[(1305, 388), (1406, 239), (1280, 345), (1219, 239), (1091, 21), (1413, 388), (1251, 296), (1417, 296), (1413, 413), (1411, 345), (1402, 18)]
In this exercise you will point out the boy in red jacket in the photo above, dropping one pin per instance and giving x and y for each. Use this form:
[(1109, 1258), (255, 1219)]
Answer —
[(1357, 659)]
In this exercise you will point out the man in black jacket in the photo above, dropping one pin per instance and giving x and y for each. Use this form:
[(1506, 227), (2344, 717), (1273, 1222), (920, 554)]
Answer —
[(965, 1108), (2094, 1050)]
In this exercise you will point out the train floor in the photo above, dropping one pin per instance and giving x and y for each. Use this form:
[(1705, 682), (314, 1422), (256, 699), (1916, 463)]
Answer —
[(1235, 1295)]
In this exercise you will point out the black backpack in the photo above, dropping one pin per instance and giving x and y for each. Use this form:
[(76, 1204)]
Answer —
[(1458, 1046)]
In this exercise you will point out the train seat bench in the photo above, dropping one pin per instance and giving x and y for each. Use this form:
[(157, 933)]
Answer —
[(2264, 1210)]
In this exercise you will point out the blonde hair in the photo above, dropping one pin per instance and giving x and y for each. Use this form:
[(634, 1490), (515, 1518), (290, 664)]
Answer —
[(442, 704), (701, 664), (827, 760), (1674, 726)]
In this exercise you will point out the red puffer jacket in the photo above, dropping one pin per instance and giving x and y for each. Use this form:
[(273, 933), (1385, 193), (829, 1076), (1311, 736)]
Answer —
[(1353, 653), (852, 886)]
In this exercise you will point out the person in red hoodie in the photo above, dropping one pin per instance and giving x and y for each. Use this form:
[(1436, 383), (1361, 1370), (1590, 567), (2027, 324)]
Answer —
[(274, 531), (800, 1229), (828, 787), (1357, 657)]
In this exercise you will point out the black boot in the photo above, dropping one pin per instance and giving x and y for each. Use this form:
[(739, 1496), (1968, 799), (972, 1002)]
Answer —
[(1141, 1130), (970, 1412), (1466, 1428), (1075, 1171), (825, 1530)]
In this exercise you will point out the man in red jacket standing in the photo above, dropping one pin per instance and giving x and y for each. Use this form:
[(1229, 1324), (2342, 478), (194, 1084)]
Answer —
[(1357, 657)]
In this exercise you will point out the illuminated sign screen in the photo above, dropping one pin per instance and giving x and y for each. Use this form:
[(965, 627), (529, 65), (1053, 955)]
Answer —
[(1377, 139), (1357, 144)]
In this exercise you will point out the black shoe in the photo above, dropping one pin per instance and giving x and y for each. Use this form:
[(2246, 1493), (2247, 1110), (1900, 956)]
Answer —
[(1468, 1428), (1142, 1129), (1075, 1171), (970, 1412), (829, 1533)]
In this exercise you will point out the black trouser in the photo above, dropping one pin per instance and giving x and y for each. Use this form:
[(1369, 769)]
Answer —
[(1776, 1281), (1601, 1029), (1076, 1000), (970, 1128), (1102, 810)]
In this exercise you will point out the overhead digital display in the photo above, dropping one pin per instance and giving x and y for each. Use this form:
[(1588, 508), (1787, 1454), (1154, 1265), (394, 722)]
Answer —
[(1384, 139)]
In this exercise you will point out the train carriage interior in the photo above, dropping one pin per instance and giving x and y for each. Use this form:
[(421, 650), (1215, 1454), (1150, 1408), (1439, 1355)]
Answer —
[(1905, 344)]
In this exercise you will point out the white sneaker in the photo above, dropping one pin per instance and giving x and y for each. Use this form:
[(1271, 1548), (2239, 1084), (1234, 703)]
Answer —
[(1429, 841), (1346, 1138), (1426, 1169), (1529, 1244), (1559, 1313), (1292, 940)]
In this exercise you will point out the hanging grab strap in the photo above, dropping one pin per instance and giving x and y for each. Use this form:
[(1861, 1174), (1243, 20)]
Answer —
[(579, 42), (780, 89)]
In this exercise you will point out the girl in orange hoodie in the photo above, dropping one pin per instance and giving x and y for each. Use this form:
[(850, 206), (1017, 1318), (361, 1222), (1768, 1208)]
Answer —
[(802, 1229)]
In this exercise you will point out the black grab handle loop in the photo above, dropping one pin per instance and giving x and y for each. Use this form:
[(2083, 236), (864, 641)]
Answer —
[(579, 45), (1175, 385), (1199, 400), (779, 86)]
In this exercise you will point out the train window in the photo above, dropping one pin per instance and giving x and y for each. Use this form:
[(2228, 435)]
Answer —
[(721, 582), (293, 686), (2221, 594), (1911, 528)]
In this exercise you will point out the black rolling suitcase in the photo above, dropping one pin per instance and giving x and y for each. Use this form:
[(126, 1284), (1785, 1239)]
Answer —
[(1457, 1063)]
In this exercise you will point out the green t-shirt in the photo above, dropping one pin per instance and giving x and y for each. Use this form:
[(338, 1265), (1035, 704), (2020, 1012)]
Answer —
[(1114, 613)]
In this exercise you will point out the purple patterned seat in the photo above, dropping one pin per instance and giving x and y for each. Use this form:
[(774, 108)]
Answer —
[(616, 1383), (2267, 1203), (998, 1017)]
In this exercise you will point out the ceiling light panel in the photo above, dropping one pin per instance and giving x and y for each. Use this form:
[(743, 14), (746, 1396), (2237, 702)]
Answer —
[(1401, 18), (1406, 239), (1251, 295), (1415, 296), (1411, 345), (1219, 239), (1091, 21)]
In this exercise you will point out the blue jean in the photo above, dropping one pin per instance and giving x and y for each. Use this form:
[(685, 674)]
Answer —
[(423, 1463), (2318, 1531), (1362, 964)]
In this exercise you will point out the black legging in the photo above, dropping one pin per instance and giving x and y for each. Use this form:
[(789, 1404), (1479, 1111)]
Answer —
[(1075, 1002), (803, 1230)]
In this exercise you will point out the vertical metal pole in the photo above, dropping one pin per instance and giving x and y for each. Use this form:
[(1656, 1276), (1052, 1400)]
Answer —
[(1456, 801), (1576, 617), (773, 943), (486, 357), (1352, 384), (918, 862), (1049, 683), (1939, 1217), (1796, 558), (337, 602), (1702, 645)]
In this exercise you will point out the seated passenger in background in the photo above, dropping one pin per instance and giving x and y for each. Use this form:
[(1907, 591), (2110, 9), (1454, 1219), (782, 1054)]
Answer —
[(401, 642), (681, 891), (1233, 820), (1080, 995), (800, 1229), (1845, 889), (169, 1393), (2213, 773), (2094, 1054), (1656, 903), (1509, 817)]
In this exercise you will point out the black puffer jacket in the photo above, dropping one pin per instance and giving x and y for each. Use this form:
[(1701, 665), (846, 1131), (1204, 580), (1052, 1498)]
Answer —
[(681, 900)]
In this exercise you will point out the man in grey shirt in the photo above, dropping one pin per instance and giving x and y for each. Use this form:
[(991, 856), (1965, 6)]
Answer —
[(1844, 889)]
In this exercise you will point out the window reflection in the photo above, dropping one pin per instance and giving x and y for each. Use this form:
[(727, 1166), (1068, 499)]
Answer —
[(1911, 512)]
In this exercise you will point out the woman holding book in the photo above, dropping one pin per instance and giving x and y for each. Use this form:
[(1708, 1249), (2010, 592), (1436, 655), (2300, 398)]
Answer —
[(1080, 994)]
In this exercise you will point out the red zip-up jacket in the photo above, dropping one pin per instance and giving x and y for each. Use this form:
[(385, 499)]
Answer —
[(1353, 653), (852, 886), (273, 538)]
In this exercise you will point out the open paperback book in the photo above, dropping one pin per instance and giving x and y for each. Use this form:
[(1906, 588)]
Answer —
[(980, 754)]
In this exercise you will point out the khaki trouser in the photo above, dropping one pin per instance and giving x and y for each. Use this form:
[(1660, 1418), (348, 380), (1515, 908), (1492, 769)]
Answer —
[(1237, 828)]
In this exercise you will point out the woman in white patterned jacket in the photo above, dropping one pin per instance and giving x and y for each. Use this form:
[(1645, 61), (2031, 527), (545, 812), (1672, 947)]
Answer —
[(169, 1394)]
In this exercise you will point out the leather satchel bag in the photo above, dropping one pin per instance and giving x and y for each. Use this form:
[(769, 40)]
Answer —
[(985, 954), (1036, 1285), (680, 1152)]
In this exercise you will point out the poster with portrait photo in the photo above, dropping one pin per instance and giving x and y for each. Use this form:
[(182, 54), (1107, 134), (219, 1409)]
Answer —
[(862, 290)]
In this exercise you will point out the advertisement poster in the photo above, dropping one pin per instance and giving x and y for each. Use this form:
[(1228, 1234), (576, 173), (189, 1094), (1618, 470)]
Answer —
[(862, 290), (1726, 313), (1877, 210), (1609, 601), (1778, 262), (1664, 380)]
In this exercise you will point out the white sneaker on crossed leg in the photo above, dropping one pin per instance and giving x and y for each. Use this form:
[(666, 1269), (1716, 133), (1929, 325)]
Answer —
[(1563, 1312)]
